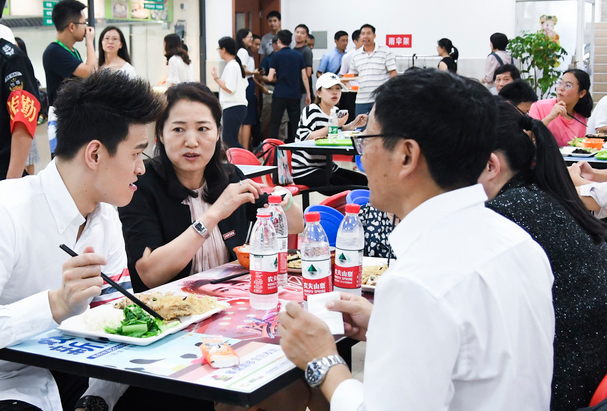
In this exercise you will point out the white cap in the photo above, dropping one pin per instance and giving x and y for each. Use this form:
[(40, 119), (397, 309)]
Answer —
[(328, 80)]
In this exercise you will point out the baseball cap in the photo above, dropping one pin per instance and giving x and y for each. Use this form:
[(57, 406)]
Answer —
[(328, 80)]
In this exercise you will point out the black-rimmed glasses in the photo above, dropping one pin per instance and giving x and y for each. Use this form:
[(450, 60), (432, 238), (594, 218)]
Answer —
[(86, 22), (359, 144)]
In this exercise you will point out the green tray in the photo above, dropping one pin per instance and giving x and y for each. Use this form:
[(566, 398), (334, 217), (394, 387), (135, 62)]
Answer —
[(338, 142)]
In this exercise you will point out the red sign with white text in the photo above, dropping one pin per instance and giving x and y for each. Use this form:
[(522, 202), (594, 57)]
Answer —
[(399, 40)]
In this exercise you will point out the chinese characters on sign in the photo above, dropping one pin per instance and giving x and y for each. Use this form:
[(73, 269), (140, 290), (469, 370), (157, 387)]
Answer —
[(399, 40)]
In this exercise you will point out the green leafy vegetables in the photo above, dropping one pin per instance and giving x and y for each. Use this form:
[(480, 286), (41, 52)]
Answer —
[(139, 324)]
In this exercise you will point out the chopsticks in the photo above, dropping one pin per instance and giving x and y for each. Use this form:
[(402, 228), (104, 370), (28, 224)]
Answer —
[(118, 287), (579, 121), (229, 277)]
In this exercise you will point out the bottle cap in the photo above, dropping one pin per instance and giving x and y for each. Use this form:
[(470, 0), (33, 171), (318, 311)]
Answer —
[(312, 217), (352, 208), (274, 199), (263, 212)]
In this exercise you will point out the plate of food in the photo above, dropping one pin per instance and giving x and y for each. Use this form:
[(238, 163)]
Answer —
[(578, 151), (373, 268), (125, 322), (294, 262)]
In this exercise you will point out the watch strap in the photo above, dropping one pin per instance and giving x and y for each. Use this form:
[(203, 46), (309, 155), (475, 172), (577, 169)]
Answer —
[(92, 403), (317, 369), (201, 229)]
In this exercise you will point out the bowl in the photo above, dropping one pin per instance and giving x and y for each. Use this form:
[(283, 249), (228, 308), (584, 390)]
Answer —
[(593, 143), (243, 255), (354, 88)]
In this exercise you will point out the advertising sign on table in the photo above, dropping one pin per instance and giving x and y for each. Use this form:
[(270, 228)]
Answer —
[(399, 40), (139, 10)]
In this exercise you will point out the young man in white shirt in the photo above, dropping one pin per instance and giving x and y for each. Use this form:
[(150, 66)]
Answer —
[(463, 318), (102, 124)]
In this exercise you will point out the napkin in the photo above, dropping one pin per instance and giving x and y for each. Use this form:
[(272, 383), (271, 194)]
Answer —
[(317, 305)]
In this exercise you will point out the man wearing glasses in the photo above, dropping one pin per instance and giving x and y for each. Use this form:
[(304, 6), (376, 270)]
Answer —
[(61, 60), (463, 318)]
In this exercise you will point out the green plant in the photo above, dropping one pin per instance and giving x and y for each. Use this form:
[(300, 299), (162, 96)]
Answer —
[(538, 56)]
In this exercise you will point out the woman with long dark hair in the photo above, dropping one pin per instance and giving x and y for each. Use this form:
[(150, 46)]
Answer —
[(244, 41), (528, 183), (178, 60), (191, 208), (567, 114), (449, 53), (113, 52), (232, 91)]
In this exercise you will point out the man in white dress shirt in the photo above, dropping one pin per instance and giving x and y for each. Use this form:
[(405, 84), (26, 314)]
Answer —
[(463, 319), (102, 124)]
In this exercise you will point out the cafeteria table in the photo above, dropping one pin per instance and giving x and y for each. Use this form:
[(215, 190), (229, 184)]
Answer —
[(309, 146), (594, 162), (173, 364), (256, 171)]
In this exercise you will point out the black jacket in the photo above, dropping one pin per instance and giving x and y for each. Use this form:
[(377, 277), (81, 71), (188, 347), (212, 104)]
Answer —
[(156, 216)]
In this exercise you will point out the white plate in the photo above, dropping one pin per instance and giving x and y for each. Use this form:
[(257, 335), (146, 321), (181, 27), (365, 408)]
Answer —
[(76, 326), (370, 261), (569, 151)]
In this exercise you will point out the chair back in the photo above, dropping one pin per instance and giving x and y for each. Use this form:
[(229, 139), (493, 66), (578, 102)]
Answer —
[(360, 197), (330, 219), (337, 201), (240, 156)]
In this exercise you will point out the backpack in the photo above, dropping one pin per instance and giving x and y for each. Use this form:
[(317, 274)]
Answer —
[(269, 155)]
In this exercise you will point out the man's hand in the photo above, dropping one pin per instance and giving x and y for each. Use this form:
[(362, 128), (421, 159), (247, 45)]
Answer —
[(81, 282), (90, 34), (304, 337), (357, 311)]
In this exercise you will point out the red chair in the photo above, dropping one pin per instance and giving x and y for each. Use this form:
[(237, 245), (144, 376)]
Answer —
[(337, 201), (600, 394), (240, 156), (270, 160)]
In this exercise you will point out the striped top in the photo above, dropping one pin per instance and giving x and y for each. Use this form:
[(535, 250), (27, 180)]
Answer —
[(374, 70), (312, 119)]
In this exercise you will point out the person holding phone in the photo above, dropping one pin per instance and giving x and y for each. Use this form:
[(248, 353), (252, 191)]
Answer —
[(310, 169)]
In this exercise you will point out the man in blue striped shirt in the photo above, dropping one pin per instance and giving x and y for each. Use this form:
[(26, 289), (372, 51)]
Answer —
[(331, 61)]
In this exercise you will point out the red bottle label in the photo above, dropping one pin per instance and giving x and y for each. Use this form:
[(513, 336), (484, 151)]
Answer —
[(319, 286), (348, 268), (264, 278)]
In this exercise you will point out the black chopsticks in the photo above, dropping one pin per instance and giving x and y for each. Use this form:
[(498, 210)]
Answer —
[(118, 287), (578, 120), (229, 277)]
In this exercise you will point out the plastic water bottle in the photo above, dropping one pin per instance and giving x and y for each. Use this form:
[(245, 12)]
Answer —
[(279, 219), (349, 252), (315, 257), (333, 127), (263, 263)]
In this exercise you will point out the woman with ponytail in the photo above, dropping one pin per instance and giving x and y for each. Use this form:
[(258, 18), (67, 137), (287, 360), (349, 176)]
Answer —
[(449, 53), (567, 114), (232, 92), (181, 69), (244, 41), (527, 182)]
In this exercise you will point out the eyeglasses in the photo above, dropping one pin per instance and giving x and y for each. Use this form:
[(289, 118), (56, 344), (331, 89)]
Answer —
[(86, 22), (566, 85), (358, 142)]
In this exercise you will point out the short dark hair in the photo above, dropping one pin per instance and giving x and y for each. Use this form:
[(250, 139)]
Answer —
[(102, 107), (174, 47), (507, 68), (499, 41), (285, 37), (303, 26), (123, 53), (311, 37), (214, 173), (274, 13), (367, 26), (355, 35), (340, 34), (256, 37), (274, 39), (66, 12), (518, 92), (451, 118)]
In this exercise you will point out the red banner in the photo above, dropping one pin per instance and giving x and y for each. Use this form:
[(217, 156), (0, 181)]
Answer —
[(399, 40)]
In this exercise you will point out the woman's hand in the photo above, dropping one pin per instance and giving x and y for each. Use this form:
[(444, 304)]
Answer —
[(559, 109), (342, 121), (359, 121), (235, 195), (214, 73)]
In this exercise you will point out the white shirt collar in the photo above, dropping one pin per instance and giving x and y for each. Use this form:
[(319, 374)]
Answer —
[(60, 200), (432, 211)]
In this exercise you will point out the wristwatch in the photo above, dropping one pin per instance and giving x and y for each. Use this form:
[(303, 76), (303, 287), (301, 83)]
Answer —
[(201, 229), (92, 403), (316, 370)]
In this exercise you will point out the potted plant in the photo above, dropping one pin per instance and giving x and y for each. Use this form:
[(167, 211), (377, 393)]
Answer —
[(539, 57)]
